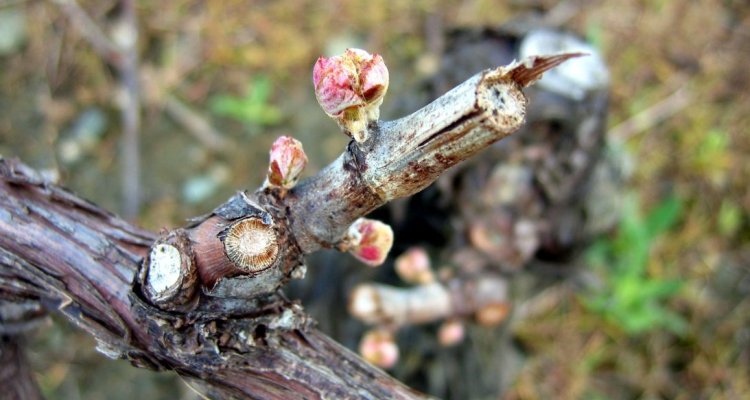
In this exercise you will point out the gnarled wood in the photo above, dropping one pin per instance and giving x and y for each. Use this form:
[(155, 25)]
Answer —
[(81, 260)]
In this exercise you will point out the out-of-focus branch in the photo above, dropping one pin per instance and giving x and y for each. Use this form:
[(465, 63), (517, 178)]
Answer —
[(121, 51), (16, 378), (18, 319), (482, 296), (377, 304), (126, 37), (99, 40), (195, 123), (651, 116)]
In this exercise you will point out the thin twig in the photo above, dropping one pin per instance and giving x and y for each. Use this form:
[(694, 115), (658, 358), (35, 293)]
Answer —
[(91, 31), (562, 13), (541, 303), (130, 110), (194, 123), (651, 116), (121, 51)]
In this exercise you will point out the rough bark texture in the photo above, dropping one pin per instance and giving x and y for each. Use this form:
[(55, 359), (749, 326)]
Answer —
[(239, 335), (81, 260), (404, 156)]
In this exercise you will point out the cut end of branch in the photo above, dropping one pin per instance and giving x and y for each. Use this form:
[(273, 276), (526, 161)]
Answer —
[(365, 304), (531, 69), (164, 273), (250, 244), (170, 275), (377, 304)]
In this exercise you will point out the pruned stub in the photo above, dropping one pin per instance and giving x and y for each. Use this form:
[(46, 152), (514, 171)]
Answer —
[(505, 103), (251, 244), (168, 275), (164, 273)]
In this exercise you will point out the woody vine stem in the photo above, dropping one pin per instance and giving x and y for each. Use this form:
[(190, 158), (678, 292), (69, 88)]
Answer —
[(254, 243), (203, 300)]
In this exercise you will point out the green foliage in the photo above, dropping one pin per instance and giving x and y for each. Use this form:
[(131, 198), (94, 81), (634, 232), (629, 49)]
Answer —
[(629, 297), (712, 155), (253, 108), (594, 34), (714, 145), (730, 218)]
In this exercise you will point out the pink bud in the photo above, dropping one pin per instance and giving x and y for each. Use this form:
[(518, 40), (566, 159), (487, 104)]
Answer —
[(413, 266), (288, 159), (379, 348), (492, 314), (451, 332), (350, 88), (373, 76), (369, 241), (335, 81)]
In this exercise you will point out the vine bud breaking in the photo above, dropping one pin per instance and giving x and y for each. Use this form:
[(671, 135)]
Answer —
[(379, 348), (369, 241), (287, 161), (350, 89), (413, 266), (451, 332), (492, 314)]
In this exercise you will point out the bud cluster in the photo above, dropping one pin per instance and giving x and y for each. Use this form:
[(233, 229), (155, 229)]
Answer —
[(350, 89)]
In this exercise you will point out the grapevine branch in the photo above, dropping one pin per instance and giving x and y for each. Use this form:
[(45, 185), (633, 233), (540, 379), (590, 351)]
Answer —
[(203, 300)]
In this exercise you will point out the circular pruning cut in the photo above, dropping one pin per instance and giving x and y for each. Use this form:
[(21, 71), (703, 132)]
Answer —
[(250, 244)]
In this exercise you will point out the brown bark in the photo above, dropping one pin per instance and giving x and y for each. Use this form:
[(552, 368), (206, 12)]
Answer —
[(239, 336), (81, 260), (404, 156)]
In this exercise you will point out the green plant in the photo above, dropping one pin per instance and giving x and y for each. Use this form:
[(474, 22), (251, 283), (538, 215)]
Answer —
[(630, 298), (253, 108)]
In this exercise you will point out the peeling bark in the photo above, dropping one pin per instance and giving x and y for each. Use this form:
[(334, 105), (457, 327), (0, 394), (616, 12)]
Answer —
[(81, 261)]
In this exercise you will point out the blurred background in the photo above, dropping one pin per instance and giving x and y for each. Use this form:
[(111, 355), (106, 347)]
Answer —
[(658, 306)]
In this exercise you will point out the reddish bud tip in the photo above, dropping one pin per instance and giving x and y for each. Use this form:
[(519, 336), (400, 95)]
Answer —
[(379, 348), (451, 332), (288, 159), (492, 314), (369, 241), (413, 266), (350, 88)]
